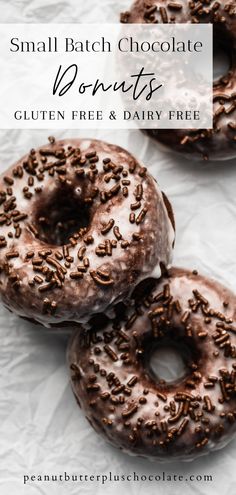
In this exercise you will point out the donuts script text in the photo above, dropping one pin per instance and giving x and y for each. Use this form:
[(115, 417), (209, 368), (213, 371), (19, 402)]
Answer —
[(143, 83)]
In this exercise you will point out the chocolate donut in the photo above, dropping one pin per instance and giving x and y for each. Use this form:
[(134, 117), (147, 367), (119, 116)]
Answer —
[(81, 221), (139, 412), (218, 143)]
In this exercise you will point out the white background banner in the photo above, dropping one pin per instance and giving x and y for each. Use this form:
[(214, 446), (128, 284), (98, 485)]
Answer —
[(111, 76)]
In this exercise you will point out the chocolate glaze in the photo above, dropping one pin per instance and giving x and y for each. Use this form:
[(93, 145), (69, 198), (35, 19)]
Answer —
[(141, 414), (81, 222), (218, 143)]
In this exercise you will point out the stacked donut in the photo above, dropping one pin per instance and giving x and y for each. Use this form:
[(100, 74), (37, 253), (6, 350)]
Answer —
[(82, 222), (218, 143), (86, 240)]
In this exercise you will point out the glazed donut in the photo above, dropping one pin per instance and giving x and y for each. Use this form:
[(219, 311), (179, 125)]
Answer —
[(81, 222), (218, 143), (139, 412)]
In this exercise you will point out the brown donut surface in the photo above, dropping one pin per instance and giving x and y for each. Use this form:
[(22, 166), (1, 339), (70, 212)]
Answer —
[(218, 143), (81, 221), (137, 411)]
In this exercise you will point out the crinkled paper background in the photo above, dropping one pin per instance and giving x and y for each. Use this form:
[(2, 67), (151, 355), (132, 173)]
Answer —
[(42, 431)]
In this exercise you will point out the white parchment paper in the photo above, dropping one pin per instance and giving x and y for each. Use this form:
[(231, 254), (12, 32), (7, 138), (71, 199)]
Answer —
[(42, 430)]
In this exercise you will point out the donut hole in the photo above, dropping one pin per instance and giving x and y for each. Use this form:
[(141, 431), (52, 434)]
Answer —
[(221, 63), (222, 60), (62, 215), (169, 359), (167, 364)]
